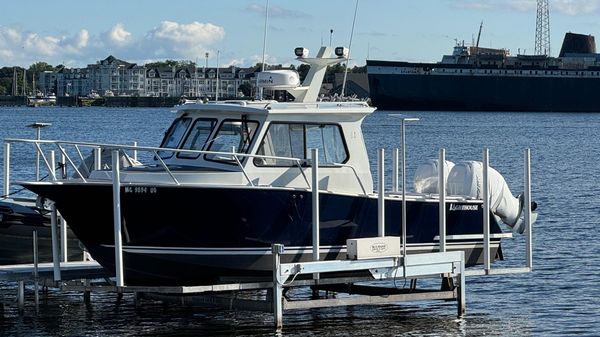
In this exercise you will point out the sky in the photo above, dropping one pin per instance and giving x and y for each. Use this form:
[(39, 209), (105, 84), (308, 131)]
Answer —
[(77, 33)]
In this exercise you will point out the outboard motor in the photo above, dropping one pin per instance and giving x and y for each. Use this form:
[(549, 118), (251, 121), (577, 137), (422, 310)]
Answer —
[(426, 176), (466, 178)]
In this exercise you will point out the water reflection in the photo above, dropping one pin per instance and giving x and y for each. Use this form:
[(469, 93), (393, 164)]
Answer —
[(66, 314)]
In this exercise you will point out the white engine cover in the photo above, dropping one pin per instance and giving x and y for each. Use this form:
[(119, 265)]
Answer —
[(426, 176), (466, 179)]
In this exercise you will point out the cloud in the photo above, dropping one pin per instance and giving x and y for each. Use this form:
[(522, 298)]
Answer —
[(278, 12), (119, 36), (23, 47), (167, 40), (496, 5), (183, 40), (567, 7), (572, 7)]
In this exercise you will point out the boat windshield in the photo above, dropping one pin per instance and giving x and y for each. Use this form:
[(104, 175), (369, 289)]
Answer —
[(173, 136), (234, 135), (296, 140), (197, 137)]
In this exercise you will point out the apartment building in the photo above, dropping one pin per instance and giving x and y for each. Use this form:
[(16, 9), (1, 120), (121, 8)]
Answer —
[(113, 76)]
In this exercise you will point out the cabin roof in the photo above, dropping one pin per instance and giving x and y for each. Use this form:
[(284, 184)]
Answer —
[(327, 110)]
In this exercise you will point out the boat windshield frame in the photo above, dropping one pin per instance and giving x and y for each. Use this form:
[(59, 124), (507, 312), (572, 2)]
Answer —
[(175, 126), (246, 137), (192, 133)]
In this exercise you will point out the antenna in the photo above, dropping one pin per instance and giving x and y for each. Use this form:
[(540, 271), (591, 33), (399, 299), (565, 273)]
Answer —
[(349, 48), (330, 36), (542, 28), (478, 37), (260, 90)]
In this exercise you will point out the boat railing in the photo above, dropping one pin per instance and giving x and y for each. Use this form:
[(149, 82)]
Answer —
[(319, 105), (72, 154)]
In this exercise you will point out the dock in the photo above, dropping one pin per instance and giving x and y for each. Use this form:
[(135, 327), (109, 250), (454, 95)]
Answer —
[(449, 267)]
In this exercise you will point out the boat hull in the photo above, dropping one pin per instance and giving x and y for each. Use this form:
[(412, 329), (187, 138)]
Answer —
[(18, 220), (186, 235)]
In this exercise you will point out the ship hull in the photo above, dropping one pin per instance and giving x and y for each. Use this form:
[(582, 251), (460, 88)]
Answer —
[(392, 88), (199, 235)]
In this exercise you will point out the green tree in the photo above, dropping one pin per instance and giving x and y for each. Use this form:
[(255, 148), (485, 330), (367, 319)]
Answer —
[(359, 70), (303, 71), (38, 67), (170, 63), (246, 89), (331, 71)]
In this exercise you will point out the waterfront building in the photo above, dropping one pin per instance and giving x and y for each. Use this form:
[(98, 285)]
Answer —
[(47, 82), (112, 76)]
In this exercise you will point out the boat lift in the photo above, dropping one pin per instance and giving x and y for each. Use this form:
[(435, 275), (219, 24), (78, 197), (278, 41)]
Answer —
[(444, 264)]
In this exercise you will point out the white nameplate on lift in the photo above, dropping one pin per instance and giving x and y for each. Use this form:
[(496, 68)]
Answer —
[(366, 248)]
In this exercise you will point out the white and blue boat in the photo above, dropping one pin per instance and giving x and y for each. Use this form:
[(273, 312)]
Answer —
[(233, 177)]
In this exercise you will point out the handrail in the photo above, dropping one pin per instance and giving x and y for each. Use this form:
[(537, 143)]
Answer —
[(156, 150), (64, 153), (362, 187), (164, 165)]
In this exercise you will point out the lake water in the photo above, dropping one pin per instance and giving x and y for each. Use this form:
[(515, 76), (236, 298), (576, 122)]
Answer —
[(557, 299)]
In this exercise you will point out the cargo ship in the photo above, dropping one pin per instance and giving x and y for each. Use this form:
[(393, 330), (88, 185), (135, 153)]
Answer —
[(486, 79)]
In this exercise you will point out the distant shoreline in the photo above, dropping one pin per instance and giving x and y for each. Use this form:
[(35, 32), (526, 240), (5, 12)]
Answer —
[(115, 101)]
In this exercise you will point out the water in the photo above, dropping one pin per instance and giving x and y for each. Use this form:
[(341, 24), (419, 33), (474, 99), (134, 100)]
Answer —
[(557, 299)]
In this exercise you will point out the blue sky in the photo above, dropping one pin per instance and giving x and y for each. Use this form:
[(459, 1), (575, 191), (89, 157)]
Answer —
[(81, 32)]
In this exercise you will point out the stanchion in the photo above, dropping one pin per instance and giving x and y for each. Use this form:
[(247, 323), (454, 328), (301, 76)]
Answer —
[(486, 211), (442, 193), (381, 193), (315, 207), (117, 219)]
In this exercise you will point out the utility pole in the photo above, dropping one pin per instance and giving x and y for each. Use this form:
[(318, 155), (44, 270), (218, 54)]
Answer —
[(542, 28)]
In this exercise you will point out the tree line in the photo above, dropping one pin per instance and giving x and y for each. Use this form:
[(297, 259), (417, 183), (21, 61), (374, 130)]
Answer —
[(7, 76)]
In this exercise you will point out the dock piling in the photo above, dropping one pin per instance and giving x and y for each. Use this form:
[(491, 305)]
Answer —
[(35, 269), (277, 291), (21, 296), (6, 175), (461, 293), (381, 193), (527, 210)]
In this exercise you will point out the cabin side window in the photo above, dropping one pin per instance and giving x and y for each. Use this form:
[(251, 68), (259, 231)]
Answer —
[(173, 136), (197, 137), (233, 135), (296, 140)]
